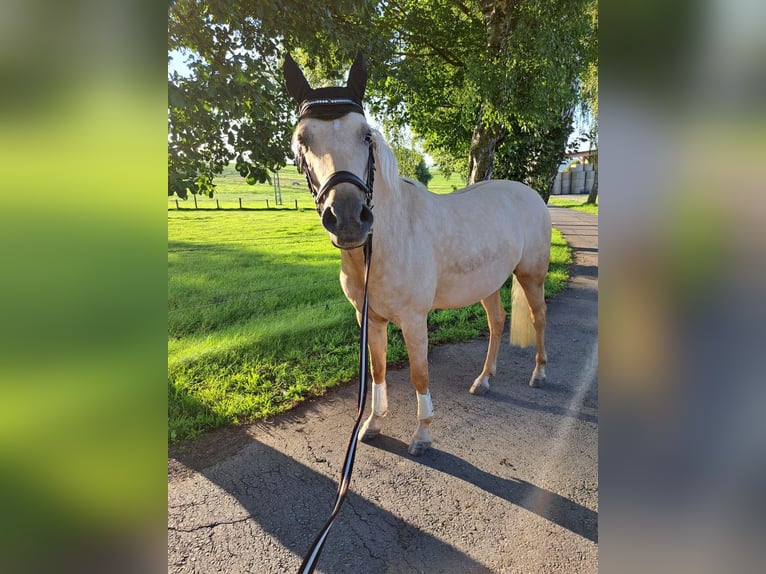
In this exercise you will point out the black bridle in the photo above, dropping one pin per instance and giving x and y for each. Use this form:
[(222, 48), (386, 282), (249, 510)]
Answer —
[(319, 192)]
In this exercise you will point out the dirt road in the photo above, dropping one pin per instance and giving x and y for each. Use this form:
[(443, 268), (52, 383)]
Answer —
[(510, 485)]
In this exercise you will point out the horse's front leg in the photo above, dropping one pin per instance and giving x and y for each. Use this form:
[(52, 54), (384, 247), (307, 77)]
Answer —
[(377, 340), (415, 333)]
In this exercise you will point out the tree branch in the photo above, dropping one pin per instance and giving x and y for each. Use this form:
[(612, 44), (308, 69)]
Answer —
[(463, 8), (425, 41)]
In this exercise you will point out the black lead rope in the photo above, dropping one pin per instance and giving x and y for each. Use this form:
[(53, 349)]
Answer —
[(312, 556)]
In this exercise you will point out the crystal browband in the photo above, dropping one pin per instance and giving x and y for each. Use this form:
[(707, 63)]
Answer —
[(308, 104)]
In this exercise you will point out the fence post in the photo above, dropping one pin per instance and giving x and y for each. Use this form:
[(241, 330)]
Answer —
[(240, 203), (177, 205), (296, 205), (267, 204)]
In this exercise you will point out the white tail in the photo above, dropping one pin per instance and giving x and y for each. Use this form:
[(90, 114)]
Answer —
[(522, 329)]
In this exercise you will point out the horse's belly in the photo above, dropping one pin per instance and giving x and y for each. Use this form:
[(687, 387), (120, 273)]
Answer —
[(460, 290)]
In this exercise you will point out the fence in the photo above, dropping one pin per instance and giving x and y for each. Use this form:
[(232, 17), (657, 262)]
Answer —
[(579, 179), (226, 202)]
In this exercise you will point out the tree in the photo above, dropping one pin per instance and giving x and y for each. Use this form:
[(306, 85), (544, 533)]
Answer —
[(590, 96), (422, 173), (474, 79), (532, 156), (411, 163), (232, 106), (471, 76)]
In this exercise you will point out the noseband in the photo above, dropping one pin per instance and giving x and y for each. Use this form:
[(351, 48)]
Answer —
[(319, 192)]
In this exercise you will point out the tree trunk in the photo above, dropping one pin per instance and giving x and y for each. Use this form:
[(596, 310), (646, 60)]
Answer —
[(545, 193), (482, 155), (499, 23), (594, 190)]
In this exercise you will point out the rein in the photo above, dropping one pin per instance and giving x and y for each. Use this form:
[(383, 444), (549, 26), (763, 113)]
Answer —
[(312, 556)]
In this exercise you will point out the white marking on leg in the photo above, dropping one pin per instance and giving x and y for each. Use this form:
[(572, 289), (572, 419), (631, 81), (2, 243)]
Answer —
[(425, 406), (379, 399)]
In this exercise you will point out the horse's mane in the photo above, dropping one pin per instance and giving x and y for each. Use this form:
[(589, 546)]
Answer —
[(385, 165)]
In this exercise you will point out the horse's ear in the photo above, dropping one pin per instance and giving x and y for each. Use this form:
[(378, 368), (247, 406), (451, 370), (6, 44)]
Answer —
[(357, 77), (297, 85)]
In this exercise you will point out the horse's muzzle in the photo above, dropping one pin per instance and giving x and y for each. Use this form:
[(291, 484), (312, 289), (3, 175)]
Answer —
[(348, 221)]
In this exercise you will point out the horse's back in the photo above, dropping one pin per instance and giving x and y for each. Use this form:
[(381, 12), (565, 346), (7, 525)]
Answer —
[(485, 231), (529, 213), (503, 206)]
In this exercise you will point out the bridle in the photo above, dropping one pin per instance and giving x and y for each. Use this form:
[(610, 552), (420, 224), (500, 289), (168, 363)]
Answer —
[(319, 191)]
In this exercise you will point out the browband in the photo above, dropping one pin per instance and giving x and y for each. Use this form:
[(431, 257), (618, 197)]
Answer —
[(306, 105)]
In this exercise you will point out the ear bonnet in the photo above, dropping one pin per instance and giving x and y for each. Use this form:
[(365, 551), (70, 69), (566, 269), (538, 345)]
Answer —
[(331, 102)]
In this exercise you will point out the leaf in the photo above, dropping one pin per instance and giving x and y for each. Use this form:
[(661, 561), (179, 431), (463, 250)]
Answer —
[(175, 97)]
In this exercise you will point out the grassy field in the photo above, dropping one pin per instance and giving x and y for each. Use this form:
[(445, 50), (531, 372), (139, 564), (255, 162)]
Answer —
[(257, 321), (231, 187)]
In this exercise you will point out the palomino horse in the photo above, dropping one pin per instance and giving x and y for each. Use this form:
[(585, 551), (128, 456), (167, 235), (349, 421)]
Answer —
[(428, 251)]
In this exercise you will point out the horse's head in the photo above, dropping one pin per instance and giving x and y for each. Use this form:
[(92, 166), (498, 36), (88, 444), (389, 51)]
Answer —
[(333, 147)]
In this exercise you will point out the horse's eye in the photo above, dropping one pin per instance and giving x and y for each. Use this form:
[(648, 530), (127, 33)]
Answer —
[(368, 138)]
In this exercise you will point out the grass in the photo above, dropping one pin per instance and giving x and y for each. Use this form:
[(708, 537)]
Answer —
[(257, 321), (562, 201)]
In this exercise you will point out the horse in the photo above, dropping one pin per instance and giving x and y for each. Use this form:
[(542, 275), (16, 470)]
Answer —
[(429, 251)]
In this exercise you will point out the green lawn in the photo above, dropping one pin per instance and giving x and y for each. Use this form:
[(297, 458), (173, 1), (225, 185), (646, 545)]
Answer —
[(257, 321), (578, 204)]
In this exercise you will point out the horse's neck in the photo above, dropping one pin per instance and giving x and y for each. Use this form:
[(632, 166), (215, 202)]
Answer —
[(392, 205), (389, 229), (352, 265)]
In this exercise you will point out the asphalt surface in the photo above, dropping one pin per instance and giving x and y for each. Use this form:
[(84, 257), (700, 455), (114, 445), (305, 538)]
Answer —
[(510, 485)]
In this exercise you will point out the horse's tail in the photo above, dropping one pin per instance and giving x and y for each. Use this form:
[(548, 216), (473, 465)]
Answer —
[(522, 329)]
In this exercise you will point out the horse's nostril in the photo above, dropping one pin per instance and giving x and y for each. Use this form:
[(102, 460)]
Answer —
[(366, 216), (329, 221)]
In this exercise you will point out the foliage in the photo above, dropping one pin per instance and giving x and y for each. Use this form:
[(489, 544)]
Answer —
[(589, 95), (422, 173), (231, 105), (412, 164), (475, 79), (476, 76), (534, 158)]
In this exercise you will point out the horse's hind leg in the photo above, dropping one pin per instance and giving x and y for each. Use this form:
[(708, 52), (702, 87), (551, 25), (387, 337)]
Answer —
[(377, 338), (534, 289), (493, 305)]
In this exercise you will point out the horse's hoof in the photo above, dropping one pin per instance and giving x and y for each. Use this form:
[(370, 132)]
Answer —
[(418, 447), (369, 430), (480, 386), (368, 434), (536, 382)]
